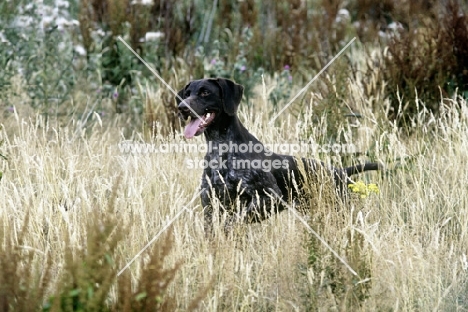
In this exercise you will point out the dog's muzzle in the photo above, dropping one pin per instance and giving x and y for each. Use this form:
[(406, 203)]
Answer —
[(197, 124)]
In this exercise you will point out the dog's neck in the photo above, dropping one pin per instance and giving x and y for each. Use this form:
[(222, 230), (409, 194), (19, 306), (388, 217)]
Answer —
[(228, 129)]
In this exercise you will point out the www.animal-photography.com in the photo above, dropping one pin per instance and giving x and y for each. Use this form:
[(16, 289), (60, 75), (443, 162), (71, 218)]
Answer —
[(251, 155)]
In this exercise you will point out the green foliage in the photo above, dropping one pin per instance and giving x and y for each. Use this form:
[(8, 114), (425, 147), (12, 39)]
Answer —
[(217, 65), (43, 56), (282, 90)]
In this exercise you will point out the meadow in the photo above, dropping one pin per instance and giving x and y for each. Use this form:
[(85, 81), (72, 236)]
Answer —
[(86, 226)]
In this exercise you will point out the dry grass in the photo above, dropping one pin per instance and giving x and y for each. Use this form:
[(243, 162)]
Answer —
[(408, 245)]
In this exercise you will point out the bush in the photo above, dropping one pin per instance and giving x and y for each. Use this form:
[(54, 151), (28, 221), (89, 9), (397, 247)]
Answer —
[(427, 61)]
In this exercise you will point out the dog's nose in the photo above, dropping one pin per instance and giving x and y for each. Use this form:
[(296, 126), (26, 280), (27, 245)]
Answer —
[(183, 107), (184, 110)]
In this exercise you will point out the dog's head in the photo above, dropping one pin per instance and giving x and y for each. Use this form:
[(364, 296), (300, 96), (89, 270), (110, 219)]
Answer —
[(205, 101)]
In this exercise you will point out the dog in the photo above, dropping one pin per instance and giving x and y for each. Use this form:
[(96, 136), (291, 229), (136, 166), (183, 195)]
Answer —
[(250, 183)]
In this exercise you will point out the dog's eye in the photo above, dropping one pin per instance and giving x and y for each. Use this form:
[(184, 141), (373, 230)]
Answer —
[(204, 93), (187, 93)]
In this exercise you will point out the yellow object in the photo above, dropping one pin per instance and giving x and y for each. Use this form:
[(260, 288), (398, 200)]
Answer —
[(364, 189)]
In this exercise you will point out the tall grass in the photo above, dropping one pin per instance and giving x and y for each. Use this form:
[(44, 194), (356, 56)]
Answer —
[(75, 210)]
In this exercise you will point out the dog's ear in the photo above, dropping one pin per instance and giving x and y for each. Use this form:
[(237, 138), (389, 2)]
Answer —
[(181, 94), (231, 94)]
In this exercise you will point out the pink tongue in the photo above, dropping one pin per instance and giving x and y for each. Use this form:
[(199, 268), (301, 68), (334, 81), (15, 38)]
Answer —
[(192, 128)]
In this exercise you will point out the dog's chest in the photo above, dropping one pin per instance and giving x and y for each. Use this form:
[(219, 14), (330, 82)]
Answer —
[(222, 172)]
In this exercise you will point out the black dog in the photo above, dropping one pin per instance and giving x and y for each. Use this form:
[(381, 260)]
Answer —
[(245, 178)]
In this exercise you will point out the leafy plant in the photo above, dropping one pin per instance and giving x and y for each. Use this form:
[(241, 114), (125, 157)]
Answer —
[(43, 56), (282, 90), (216, 65)]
